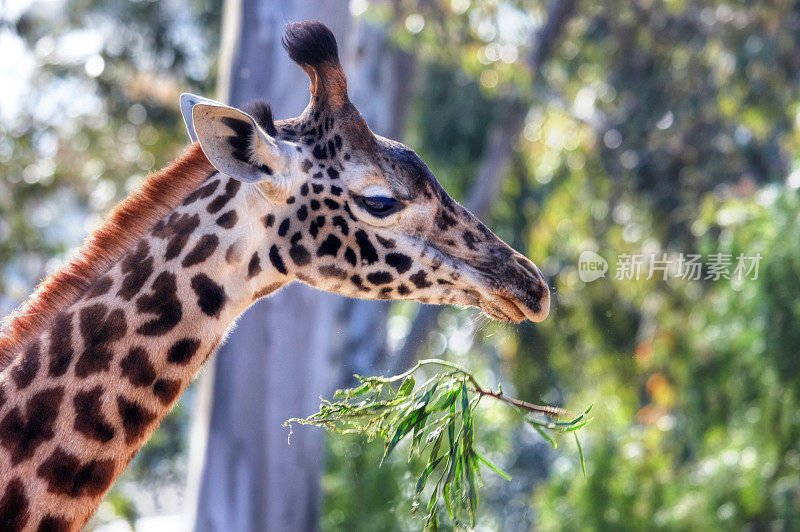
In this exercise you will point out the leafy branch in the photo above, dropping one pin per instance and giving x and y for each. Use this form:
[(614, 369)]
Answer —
[(438, 416)]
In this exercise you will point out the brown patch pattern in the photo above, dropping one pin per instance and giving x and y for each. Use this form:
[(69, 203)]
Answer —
[(25, 370), (89, 418), (99, 328), (182, 351), (21, 433), (164, 303), (166, 390), (135, 419), (136, 367), (61, 344), (65, 474), (14, 506), (210, 295), (176, 230), (231, 188), (136, 267), (204, 248)]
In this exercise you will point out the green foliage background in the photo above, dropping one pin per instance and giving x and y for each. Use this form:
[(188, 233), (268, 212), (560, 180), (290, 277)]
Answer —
[(656, 127)]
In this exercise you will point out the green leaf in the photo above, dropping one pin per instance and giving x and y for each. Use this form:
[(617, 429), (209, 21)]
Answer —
[(446, 399), (576, 427), (469, 484), (476, 467), (419, 431), (494, 467), (438, 441), (423, 478), (549, 438), (407, 387), (432, 502), (577, 419), (426, 397), (435, 435), (353, 392), (465, 409), (448, 503), (451, 429), (403, 428), (580, 454)]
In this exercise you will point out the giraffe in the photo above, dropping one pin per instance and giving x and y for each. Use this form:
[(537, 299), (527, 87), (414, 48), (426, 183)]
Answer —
[(101, 351)]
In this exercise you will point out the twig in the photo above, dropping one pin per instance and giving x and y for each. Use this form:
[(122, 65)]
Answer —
[(551, 411)]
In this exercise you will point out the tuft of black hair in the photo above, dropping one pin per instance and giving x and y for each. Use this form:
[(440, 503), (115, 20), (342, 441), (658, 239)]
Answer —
[(310, 43), (262, 112)]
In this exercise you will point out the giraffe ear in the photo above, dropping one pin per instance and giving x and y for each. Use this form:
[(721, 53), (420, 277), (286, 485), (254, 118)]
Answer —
[(237, 145), (188, 101)]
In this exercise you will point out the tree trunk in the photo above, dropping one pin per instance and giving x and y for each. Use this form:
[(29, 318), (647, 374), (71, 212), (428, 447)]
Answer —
[(277, 362)]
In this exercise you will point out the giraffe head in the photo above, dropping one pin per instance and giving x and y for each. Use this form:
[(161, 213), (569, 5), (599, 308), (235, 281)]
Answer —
[(351, 212)]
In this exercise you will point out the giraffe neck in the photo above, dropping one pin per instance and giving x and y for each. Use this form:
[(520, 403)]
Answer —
[(86, 394)]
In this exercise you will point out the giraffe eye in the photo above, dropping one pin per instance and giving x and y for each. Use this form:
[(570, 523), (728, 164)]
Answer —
[(379, 206)]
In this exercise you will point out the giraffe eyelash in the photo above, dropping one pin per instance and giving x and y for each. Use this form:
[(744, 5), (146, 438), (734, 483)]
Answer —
[(379, 206)]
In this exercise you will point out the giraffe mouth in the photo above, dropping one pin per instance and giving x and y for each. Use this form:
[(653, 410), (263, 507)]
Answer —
[(505, 307)]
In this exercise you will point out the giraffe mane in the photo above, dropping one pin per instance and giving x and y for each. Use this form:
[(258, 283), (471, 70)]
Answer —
[(127, 222)]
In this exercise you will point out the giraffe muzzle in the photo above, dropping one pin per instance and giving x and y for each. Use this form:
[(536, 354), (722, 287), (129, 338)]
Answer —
[(525, 297)]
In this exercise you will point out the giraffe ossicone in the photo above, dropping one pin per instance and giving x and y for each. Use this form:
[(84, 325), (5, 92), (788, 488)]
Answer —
[(98, 355)]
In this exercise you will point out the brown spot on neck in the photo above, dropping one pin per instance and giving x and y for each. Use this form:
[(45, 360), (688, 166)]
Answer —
[(14, 506), (233, 255)]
